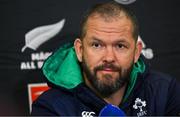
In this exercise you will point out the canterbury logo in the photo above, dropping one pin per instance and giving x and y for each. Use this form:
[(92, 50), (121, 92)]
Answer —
[(87, 114)]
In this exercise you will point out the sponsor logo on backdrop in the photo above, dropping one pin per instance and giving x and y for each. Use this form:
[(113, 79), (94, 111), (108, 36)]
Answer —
[(125, 1), (39, 35), (36, 61), (147, 52), (34, 90), (36, 37)]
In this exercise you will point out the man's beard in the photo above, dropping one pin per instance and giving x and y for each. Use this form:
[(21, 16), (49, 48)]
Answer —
[(103, 88)]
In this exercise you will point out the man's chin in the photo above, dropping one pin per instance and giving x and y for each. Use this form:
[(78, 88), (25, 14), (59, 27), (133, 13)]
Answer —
[(107, 76)]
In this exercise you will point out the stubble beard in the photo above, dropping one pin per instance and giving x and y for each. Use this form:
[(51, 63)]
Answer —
[(102, 87)]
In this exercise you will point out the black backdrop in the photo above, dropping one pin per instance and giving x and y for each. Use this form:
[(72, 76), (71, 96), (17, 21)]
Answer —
[(30, 23)]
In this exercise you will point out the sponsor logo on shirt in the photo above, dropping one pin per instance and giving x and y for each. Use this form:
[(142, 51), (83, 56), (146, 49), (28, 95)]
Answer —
[(87, 114), (139, 104)]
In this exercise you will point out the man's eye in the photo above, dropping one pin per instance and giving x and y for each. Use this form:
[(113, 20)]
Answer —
[(120, 46), (96, 45)]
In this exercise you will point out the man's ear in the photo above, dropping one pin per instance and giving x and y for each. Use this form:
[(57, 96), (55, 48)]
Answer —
[(78, 48), (138, 51)]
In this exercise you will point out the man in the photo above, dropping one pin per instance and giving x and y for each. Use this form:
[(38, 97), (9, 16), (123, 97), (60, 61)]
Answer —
[(104, 67)]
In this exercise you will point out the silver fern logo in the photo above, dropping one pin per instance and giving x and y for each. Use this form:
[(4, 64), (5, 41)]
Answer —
[(125, 1), (147, 52), (39, 35)]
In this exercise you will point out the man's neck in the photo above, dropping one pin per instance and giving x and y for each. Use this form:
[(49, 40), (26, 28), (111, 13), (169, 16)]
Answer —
[(117, 97)]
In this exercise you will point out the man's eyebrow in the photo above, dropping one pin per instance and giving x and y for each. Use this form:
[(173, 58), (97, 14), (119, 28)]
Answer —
[(96, 39), (121, 41)]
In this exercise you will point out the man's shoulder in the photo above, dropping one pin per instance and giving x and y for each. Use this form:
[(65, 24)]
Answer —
[(54, 94), (54, 101), (162, 89), (155, 77), (158, 82)]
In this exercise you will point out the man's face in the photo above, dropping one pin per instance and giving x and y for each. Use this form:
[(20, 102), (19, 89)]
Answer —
[(107, 52)]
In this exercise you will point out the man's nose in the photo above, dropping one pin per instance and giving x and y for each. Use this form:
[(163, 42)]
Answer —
[(109, 55)]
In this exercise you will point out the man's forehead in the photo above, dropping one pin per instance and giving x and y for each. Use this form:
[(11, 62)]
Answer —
[(107, 17), (116, 26)]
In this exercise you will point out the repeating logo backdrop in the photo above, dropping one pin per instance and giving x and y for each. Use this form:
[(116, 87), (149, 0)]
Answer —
[(32, 30)]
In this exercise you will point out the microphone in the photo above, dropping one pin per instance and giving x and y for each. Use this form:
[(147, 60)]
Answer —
[(111, 110)]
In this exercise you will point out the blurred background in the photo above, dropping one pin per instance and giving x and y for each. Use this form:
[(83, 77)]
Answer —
[(31, 30)]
